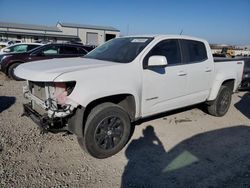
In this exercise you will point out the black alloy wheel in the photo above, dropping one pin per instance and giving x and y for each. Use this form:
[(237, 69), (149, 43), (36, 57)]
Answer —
[(106, 131), (221, 104), (109, 132), (225, 101)]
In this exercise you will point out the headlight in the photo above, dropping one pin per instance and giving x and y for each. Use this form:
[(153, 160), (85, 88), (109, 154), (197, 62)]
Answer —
[(246, 76), (62, 90)]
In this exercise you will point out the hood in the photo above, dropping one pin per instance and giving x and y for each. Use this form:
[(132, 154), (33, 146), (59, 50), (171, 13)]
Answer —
[(48, 70)]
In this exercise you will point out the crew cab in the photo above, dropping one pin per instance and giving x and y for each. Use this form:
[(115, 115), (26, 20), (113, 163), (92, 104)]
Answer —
[(97, 96), (10, 61)]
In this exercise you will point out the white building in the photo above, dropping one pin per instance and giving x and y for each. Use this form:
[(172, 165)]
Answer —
[(62, 32)]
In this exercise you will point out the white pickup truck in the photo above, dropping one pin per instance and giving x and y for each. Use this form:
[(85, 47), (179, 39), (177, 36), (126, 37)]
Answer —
[(96, 97)]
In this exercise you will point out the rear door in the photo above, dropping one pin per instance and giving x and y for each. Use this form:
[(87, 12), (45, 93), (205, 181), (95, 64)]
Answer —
[(199, 70)]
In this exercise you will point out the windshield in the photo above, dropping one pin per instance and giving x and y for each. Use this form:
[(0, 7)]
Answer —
[(121, 50)]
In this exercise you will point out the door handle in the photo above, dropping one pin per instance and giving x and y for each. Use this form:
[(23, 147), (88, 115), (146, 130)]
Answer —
[(208, 69), (182, 73)]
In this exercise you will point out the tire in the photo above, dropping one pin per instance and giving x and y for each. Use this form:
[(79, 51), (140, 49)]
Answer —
[(106, 131), (221, 104), (11, 72)]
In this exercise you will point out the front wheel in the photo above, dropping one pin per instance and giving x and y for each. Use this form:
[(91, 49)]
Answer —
[(11, 73), (106, 132), (221, 104)]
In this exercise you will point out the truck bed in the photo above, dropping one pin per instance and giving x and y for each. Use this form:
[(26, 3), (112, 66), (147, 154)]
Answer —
[(222, 59), (229, 66)]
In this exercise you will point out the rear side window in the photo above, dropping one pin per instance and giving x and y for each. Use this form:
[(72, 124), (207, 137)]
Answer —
[(194, 51), (31, 47), (50, 50), (88, 48), (82, 51), (68, 50), (168, 48)]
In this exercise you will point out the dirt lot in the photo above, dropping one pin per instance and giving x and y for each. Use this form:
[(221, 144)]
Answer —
[(187, 148)]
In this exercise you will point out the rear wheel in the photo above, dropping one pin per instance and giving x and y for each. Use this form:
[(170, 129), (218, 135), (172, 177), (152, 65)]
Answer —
[(107, 130), (221, 104), (11, 73)]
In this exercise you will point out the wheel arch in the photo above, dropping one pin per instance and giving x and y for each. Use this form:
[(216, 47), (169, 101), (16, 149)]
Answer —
[(125, 101), (10, 64), (230, 82), (77, 122)]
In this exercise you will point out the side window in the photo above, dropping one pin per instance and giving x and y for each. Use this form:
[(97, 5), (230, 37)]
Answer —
[(194, 51), (30, 47), (20, 48), (68, 50), (168, 48), (88, 48), (50, 50)]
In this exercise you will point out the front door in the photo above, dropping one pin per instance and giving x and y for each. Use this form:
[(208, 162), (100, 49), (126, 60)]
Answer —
[(164, 88)]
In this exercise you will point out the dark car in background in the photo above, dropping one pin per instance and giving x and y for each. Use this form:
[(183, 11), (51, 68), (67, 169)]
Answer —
[(10, 61), (20, 48), (245, 83)]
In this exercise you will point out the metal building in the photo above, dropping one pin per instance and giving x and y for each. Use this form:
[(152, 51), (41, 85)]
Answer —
[(32, 33), (89, 34), (62, 32)]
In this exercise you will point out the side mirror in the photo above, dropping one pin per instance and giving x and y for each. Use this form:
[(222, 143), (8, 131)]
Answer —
[(157, 61), (6, 50)]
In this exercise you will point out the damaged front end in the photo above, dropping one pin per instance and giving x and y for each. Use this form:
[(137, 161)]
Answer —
[(49, 105)]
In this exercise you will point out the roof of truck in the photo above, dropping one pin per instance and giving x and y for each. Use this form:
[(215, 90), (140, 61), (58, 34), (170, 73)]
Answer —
[(160, 36)]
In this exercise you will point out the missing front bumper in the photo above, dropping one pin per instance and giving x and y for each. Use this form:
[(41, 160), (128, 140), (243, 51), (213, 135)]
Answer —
[(44, 122)]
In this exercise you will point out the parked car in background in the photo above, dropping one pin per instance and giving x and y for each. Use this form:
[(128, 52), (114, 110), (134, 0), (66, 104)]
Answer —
[(20, 48), (4, 44), (245, 83), (10, 61)]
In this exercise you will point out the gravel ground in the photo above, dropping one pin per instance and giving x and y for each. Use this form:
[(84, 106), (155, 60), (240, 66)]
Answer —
[(187, 148)]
